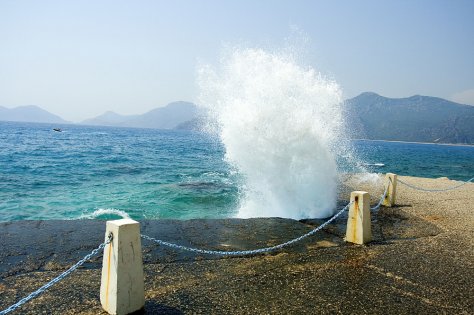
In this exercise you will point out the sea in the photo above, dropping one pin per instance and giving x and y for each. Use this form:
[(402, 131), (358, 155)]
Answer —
[(89, 172)]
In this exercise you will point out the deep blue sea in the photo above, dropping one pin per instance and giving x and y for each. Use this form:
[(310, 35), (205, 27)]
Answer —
[(86, 171)]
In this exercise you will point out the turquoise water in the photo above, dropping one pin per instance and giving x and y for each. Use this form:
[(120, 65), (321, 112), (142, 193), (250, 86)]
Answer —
[(85, 171), (146, 173), (418, 159)]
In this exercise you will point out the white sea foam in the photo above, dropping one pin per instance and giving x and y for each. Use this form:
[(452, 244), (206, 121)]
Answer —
[(375, 164), (282, 128), (105, 212)]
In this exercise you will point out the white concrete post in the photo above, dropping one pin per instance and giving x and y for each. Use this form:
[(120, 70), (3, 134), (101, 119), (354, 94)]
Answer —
[(122, 288), (391, 183), (359, 230)]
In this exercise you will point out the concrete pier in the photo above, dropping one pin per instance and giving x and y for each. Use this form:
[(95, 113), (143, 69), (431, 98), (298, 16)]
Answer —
[(420, 261)]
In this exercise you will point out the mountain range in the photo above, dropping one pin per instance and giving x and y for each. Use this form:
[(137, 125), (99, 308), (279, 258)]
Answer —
[(167, 117), (29, 113), (416, 118), (369, 116)]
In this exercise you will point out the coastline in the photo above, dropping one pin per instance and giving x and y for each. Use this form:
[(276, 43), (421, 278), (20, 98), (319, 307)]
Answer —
[(420, 261), (414, 142)]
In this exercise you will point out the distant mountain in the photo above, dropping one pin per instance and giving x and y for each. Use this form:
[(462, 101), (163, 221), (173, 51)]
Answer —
[(108, 119), (195, 124), (29, 113), (417, 118), (167, 117)]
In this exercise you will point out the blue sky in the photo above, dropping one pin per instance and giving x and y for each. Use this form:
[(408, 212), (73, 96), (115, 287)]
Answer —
[(78, 59)]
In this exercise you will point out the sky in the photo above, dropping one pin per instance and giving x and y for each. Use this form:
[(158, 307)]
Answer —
[(78, 59)]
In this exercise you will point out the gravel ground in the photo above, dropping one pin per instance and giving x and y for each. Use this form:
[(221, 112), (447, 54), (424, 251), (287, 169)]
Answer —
[(421, 261)]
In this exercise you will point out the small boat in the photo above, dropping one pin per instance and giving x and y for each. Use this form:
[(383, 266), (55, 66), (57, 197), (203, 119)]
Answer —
[(57, 129)]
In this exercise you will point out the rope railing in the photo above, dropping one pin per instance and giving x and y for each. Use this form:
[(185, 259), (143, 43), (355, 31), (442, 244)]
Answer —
[(433, 190), (57, 279), (246, 252), (382, 198)]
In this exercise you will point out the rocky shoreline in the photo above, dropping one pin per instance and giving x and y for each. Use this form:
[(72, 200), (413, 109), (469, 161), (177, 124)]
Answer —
[(421, 261)]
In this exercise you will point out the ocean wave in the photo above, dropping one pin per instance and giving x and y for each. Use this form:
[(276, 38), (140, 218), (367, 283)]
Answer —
[(105, 214), (374, 164)]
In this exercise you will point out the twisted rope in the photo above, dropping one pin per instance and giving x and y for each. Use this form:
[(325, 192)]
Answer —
[(382, 198), (57, 279), (434, 190), (246, 252)]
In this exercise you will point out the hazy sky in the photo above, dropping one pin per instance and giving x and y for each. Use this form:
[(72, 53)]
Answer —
[(78, 59)]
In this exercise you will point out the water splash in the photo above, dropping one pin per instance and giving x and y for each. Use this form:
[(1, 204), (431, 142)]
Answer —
[(373, 179), (282, 128), (106, 214)]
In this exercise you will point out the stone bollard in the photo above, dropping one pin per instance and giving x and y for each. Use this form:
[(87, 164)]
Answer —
[(391, 183), (122, 286), (359, 230)]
